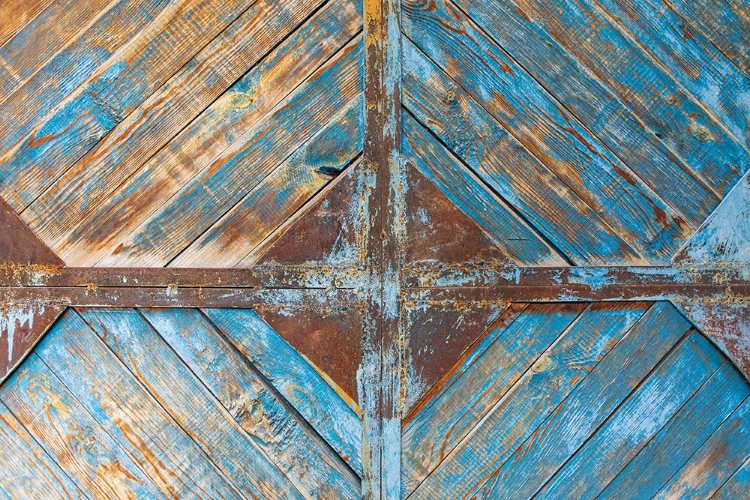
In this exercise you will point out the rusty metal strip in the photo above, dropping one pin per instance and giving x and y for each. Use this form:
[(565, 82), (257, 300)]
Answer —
[(19, 244)]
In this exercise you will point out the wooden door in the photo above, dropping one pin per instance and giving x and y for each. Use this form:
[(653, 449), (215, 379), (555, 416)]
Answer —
[(391, 249)]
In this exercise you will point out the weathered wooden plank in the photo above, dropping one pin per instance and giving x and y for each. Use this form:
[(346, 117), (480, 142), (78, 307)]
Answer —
[(19, 245), (14, 15), (544, 385), (305, 458), (70, 435), (645, 87), (113, 396), (72, 67), (221, 184), (474, 390), (511, 170), (534, 131), (639, 418), (45, 36), (164, 114), (188, 401), (597, 108), (686, 431), (589, 405), (280, 194), (692, 58), (220, 125), (710, 466), (295, 379), (463, 188), (725, 23), (113, 92), (27, 470), (737, 487)]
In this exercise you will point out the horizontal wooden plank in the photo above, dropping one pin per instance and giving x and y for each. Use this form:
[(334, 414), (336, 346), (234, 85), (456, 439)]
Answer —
[(592, 401), (475, 389), (222, 183), (71, 436), (27, 470), (113, 396), (297, 451), (463, 188), (723, 453), (597, 107), (511, 170), (73, 126), (219, 126), (295, 379), (639, 418), (188, 401), (279, 195), (676, 442)]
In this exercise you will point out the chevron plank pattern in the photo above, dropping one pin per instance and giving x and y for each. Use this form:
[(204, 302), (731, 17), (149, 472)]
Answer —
[(153, 133), (587, 132), (607, 400), (168, 403)]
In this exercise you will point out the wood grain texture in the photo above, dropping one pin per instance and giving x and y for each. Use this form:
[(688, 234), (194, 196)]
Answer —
[(71, 436), (190, 403), (15, 14), (511, 170), (27, 470), (592, 401), (737, 486), (295, 379), (299, 452), (598, 108), (112, 395), (19, 244), (640, 417), (468, 193)]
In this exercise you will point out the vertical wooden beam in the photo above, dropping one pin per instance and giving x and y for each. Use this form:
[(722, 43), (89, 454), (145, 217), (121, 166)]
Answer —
[(380, 373)]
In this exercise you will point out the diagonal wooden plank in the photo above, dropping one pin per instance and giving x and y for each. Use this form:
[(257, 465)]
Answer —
[(722, 454), (222, 183), (302, 455), (544, 385), (697, 64), (569, 426), (473, 391), (532, 128), (28, 471), (160, 117), (597, 108), (277, 197), (737, 486), (681, 436), (113, 92), (219, 126), (646, 88), (15, 14), (45, 36), (295, 379), (511, 170), (640, 417), (441, 167), (188, 401), (113, 396), (71, 436)]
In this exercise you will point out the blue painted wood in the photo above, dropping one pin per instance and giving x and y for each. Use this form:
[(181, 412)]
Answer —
[(520, 242), (295, 379), (737, 487), (113, 396), (298, 451), (69, 434), (569, 426), (594, 178), (640, 417), (501, 161), (176, 388), (723, 453), (685, 432), (597, 107)]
